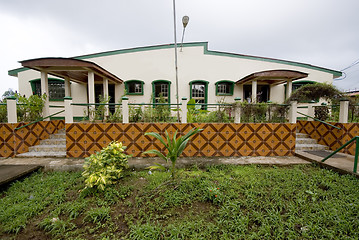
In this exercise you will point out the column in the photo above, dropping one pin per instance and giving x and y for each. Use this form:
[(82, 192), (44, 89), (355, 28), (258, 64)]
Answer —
[(69, 114), (67, 87), (125, 113), (237, 111), (184, 110), (106, 96), (311, 110), (293, 112), (289, 88), (91, 94), (118, 93), (344, 111), (254, 91), (45, 90), (11, 109), (241, 93)]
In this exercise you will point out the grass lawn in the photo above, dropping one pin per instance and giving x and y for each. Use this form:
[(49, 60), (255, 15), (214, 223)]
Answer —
[(219, 202)]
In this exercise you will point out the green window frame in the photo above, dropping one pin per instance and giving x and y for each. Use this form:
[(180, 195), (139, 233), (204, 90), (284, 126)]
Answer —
[(224, 88), (134, 87), (162, 85), (56, 88), (201, 96)]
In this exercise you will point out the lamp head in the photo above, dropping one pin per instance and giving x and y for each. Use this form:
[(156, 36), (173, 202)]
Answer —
[(185, 21)]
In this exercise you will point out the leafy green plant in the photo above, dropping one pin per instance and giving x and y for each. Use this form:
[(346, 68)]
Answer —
[(321, 112), (95, 215), (30, 109), (56, 226), (105, 167), (3, 111), (174, 148), (214, 195)]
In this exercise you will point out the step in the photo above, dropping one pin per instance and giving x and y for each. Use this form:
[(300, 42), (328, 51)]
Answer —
[(48, 148), (43, 154), (305, 141), (58, 136), (302, 135), (53, 141), (304, 147)]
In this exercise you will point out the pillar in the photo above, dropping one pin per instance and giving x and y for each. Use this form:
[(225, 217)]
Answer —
[(289, 88), (237, 110), (241, 92), (184, 110), (344, 111), (125, 112), (254, 91), (91, 94), (69, 114), (67, 87), (11, 109), (311, 110), (292, 115), (45, 90), (106, 95)]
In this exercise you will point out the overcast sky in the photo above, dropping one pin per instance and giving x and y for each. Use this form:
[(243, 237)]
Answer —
[(323, 33)]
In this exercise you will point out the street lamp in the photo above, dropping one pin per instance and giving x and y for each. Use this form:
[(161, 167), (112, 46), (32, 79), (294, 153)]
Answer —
[(176, 68), (185, 21)]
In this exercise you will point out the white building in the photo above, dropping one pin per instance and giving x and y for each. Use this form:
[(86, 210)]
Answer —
[(148, 72)]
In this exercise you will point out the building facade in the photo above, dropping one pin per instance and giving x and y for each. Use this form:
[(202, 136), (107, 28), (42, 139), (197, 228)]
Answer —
[(146, 74)]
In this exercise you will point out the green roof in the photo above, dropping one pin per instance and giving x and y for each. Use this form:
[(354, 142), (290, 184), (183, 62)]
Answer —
[(335, 73)]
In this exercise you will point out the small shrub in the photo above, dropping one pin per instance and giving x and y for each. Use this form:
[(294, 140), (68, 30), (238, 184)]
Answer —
[(174, 147), (97, 215), (214, 195), (56, 226), (30, 109), (105, 167), (321, 112)]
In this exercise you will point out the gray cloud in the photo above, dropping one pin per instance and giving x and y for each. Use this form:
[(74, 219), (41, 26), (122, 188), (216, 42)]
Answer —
[(321, 32)]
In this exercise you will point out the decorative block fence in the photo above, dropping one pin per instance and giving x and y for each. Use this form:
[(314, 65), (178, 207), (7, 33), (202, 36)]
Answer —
[(216, 139), (327, 135), (14, 141)]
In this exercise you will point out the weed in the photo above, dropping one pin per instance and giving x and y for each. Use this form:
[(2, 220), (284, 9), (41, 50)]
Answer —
[(96, 215)]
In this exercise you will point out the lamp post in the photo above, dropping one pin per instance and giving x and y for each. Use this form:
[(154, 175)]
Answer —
[(185, 21), (176, 68)]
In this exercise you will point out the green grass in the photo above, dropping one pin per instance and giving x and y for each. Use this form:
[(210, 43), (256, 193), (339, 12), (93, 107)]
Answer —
[(219, 202)]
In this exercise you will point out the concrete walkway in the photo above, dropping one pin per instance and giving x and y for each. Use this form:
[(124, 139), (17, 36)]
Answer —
[(73, 164), (10, 173), (340, 162)]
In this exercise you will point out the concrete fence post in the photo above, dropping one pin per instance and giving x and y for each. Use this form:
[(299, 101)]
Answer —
[(292, 115), (344, 111), (184, 110), (125, 110), (11, 109), (237, 110), (69, 112), (311, 110)]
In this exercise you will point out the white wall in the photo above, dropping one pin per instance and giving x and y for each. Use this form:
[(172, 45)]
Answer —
[(193, 64)]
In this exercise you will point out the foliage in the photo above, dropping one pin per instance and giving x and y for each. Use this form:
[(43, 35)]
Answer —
[(174, 148), (321, 112), (253, 112), (3, 111), (257, 202), (28, 198), (30, 109), (197, 115), (8, 93), (105, 167), (314, 91)]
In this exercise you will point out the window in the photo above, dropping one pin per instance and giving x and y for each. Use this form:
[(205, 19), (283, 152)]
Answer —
[(56, 88), (199, 92), (161, 89), (224, 88), (134, 87)]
